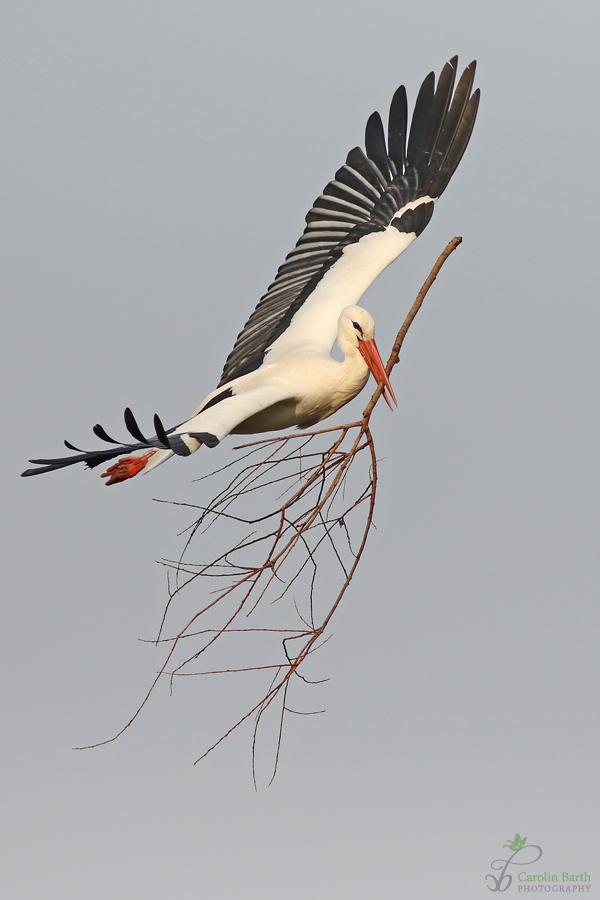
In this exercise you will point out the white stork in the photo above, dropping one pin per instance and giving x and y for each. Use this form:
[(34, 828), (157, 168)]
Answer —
[(280, 372)]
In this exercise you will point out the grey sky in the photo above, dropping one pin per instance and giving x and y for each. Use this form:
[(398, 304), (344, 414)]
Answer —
[(157, 163)]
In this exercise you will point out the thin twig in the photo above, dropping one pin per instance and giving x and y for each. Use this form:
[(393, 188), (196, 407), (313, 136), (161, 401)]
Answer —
[(305, 490)]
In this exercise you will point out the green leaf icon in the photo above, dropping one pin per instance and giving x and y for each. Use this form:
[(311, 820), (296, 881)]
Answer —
[(517, 843)]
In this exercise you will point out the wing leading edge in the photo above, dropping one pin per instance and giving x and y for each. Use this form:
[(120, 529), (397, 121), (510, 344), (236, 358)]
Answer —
[(394, 185), (378, 203)]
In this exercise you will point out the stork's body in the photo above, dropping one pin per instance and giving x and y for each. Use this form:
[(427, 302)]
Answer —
[(280, 372), (300, 387)]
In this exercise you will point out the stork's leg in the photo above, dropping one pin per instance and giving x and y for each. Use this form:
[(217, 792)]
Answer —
[(126, 467), (207, 427)]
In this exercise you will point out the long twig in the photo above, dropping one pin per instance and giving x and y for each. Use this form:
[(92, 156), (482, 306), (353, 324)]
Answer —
[(310, 504)]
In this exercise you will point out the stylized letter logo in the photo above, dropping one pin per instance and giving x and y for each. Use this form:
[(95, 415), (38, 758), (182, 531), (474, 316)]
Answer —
[(504, 880)]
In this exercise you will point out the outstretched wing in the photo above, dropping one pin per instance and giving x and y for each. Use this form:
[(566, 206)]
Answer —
[(378, 203), (376, 206)]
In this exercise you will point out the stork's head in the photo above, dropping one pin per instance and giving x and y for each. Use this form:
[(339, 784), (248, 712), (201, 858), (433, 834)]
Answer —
[(356, 331), (355, 324)]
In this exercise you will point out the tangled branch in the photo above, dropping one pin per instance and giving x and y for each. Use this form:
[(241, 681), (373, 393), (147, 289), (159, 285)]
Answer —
[(318, 489)]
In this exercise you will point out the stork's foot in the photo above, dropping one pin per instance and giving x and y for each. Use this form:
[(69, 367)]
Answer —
[(127, 467)]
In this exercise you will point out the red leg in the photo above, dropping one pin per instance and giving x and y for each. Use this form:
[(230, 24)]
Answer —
[(126, 467)]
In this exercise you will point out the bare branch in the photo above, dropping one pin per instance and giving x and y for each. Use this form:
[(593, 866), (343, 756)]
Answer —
[(317, 490)]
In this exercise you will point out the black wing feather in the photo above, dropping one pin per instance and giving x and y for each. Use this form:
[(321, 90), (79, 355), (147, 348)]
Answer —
[(458, 145), (420, 119), (397, 126), (442, 169), (439, 108), (375, 146), (363, 198)]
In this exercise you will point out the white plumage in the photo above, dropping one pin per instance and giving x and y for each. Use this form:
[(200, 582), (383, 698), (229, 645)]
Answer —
[(280, 372), (296, 387)]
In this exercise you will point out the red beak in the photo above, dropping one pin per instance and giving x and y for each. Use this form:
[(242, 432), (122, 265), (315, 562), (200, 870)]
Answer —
[(370, 354)]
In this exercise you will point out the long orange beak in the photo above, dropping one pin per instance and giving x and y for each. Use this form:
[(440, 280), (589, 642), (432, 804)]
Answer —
[(370, 354)]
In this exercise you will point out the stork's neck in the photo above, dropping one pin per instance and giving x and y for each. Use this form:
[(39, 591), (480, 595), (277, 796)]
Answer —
[(349, 348), (353, 371)]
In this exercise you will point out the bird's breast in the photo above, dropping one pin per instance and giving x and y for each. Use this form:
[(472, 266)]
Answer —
[(316, 387), (325, 386)]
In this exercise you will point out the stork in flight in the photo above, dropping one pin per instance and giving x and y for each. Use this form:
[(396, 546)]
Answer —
[(280, 372)]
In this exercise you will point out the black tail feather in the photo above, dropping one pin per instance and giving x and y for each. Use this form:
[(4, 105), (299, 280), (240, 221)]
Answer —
[(93, 458), (133, 428), (161, 434), (100, 432)]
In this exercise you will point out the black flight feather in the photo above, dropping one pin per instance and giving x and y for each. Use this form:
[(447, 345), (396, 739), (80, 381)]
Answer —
[(420, 119), (397, 124), (373, 187), (364, 198), (375, 145)]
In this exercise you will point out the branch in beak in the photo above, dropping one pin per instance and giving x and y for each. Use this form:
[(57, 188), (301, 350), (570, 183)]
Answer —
[(370, 354)]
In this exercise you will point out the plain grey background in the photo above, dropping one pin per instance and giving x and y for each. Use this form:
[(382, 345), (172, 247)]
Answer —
[(157, 162)]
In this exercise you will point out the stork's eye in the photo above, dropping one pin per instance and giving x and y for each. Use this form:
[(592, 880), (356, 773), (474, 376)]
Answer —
[(358, 328)]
